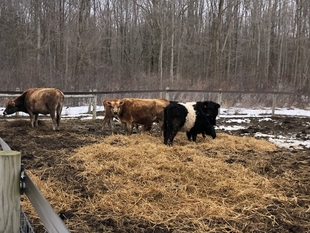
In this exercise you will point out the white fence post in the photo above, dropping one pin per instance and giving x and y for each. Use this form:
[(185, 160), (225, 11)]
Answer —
[(274, 100), (219, 98), (90, 100), (95, 105), (167, 93), (10, 165), (17, 89)]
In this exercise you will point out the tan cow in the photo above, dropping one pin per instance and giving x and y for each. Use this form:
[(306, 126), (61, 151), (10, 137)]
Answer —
[(161, 104), (35, 101), (139, 111), (108, 113)]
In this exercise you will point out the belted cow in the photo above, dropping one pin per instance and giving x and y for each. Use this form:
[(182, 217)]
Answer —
[(192, 118), (139, 111), (35, 101)]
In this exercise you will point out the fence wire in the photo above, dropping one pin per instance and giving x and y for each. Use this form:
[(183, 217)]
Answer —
[(25, 226)]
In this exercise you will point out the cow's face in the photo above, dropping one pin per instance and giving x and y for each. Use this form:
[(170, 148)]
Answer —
[(10, 108), (211, 109), (115, 106)]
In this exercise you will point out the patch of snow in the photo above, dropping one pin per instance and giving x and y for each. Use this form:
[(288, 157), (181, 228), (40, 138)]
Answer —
[(230, 127), (243, 120)]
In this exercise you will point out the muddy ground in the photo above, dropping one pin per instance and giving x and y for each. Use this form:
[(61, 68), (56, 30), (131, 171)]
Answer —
[(40, 149)]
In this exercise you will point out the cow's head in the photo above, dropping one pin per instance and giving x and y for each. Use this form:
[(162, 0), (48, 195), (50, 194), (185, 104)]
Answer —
[(115, 106), (10, 108), (211, 109)]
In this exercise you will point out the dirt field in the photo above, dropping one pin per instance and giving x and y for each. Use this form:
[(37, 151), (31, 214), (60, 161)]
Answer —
[(281, 202)]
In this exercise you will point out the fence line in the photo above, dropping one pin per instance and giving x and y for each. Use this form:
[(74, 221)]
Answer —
[(93, 95), (19, 182), (10, 162)]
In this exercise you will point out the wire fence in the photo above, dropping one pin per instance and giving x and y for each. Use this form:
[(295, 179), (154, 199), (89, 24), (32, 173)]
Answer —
[(25, 226), (238, 98)]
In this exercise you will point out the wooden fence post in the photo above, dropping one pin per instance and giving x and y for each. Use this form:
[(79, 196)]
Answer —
[(219, 98), (274, 100), (90, 100), (167, 93), (89, 105), (95, 106), (17, 89), (10, 165)]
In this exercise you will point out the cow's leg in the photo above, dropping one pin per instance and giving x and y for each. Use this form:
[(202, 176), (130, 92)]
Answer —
[(136, 126), (194, 136), (169, 129), (54, 120), (58, 120), (161, 126), (212, 131), (105, 120), (128, 128), (111, 124), (189, 135), (36, 120), (166, 132), (172, 135), (32, 119), (169, 134), (147, 127)]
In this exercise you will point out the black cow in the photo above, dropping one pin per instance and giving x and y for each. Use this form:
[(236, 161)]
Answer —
[(209, 112), (192, 118)]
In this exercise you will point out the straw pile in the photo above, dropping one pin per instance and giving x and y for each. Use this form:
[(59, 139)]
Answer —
[(137, 184)]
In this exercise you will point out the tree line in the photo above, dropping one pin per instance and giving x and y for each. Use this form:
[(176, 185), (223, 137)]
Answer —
[(81, 45)]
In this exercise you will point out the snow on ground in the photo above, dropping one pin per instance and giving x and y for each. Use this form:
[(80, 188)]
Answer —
[(287, 141), (237, 112), (81, 111)]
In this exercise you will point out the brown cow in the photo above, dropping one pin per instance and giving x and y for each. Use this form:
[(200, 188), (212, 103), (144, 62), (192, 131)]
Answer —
[(38, 100), (108, 113), (161, 104), (139, 111)]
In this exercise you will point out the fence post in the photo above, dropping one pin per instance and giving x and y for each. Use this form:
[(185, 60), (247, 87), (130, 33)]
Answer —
[(10, 165), (89, 104), (17, 89), (219, 98), (167, 93), (95, 105), (274, 100)]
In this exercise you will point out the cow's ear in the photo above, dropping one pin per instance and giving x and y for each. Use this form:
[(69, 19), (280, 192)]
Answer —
[(121, 103), (11, 103)]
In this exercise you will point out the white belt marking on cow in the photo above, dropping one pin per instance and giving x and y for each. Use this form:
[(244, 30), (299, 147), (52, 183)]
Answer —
[(190, 118)]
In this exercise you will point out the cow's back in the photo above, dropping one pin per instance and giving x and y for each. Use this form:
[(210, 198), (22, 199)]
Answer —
[(140, 111), (43, 100)]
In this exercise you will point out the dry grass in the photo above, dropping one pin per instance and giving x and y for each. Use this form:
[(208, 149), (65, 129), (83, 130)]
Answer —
[(190, 187)]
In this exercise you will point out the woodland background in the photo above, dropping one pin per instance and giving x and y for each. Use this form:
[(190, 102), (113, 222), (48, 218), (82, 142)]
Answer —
[(81, 45)]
